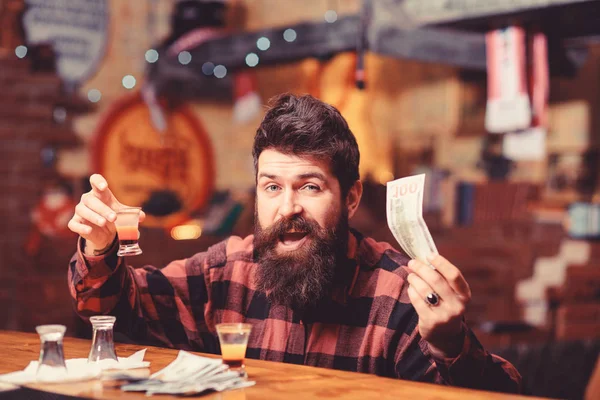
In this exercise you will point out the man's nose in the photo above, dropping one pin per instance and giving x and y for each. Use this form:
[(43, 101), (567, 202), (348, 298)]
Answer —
[(289, 206)]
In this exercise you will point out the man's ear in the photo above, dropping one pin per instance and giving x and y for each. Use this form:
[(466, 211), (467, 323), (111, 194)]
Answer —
[(353, 198)]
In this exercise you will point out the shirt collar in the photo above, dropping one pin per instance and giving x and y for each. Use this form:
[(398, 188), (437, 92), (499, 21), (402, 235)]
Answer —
[(347, 269)]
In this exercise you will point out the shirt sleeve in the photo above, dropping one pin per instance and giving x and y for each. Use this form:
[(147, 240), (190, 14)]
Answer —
[(473, 368), (476, 368), (152, 305)]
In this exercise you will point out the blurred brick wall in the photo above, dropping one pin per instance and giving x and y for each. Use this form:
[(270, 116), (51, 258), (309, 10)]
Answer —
[(34, 115)]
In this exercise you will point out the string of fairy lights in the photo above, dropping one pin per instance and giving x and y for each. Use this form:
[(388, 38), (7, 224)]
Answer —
[(151, 56)]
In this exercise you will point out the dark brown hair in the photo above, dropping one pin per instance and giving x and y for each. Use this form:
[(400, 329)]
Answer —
[(305, 126)]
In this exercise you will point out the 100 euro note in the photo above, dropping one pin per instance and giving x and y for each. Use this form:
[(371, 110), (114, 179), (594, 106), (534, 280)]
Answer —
[(404, 209), (190, 374)]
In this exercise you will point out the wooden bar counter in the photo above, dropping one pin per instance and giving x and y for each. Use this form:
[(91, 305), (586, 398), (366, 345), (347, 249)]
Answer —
[(273, 380)]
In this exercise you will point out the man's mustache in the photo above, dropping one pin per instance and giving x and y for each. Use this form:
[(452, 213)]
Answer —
[(285, 225)]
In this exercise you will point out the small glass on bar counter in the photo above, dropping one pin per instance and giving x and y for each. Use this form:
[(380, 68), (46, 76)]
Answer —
[(51, 365), (233, 338), (127, 223), (103, 345)]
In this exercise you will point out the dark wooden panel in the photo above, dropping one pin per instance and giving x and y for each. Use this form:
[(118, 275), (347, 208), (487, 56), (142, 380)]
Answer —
[(56, 306), (581, 284)]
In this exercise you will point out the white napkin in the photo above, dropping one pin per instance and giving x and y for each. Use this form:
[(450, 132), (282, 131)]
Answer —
[(78, 369)]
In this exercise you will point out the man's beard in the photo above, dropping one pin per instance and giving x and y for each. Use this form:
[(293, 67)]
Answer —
[(299, 278)]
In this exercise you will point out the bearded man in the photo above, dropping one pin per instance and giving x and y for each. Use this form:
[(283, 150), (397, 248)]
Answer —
[(315, 291)]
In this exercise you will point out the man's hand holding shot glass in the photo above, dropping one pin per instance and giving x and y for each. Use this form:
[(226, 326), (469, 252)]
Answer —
[(96, 215)]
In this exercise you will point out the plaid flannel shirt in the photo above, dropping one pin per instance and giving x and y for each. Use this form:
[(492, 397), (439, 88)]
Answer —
[(367, 324)]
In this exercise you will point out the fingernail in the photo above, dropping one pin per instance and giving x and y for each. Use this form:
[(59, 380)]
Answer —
[(431, 257), (411, 263), (100, 221), (112, 216), (102, 186)]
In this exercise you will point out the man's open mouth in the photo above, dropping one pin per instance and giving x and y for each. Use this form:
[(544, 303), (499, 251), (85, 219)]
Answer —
[(293, 239)]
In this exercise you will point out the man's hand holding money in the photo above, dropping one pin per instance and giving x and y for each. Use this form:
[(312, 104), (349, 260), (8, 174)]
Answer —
[(438, 290), (440, 324)]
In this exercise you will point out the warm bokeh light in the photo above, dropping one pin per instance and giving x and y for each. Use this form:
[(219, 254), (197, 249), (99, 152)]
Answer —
[(94, 95), (208, 68), (188, 231), (383, 176), (220, 71), (252, 60), (59, 114), (21, 51), (331, 16), (184, 58), (263, 43), (289, 35), (151, 56), (128, 82)]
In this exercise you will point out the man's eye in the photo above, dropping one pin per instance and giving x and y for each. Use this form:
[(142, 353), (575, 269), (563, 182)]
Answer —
[(312, 188), (271, 188)]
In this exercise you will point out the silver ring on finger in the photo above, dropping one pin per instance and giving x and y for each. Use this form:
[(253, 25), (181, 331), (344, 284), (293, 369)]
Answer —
[(433, 299)]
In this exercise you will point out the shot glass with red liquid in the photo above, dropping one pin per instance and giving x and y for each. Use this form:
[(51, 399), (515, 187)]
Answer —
[(127, 230), (233, 338)]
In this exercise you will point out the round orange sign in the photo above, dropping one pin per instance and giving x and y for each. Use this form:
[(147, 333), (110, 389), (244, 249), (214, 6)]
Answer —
[(170, 174)]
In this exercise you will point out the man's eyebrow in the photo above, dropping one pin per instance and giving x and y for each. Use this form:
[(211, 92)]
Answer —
[(269, 176), (308, 175)]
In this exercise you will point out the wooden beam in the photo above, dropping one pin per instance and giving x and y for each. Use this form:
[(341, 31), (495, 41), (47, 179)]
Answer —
[(437, 45), (398, 28), (428, 12), (321, 40)]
